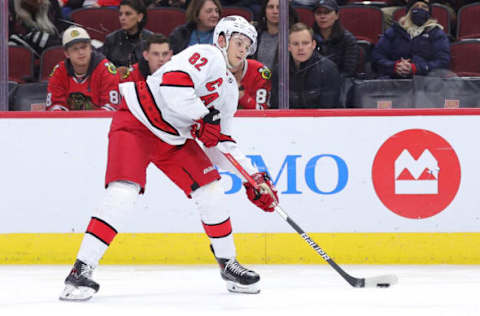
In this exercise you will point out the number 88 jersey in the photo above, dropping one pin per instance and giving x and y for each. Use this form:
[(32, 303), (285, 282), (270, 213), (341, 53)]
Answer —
[(181, 91)]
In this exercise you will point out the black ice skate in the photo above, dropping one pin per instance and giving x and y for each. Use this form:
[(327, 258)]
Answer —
[(239, 279), (78, 285)]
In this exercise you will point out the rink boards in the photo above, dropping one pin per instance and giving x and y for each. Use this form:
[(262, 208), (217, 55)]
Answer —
[(370, 186)]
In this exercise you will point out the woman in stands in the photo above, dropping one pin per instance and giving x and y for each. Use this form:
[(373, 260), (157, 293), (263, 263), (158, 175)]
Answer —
[(268, 28), (416, 45), (124, 46), (202, 17), (333, 41)]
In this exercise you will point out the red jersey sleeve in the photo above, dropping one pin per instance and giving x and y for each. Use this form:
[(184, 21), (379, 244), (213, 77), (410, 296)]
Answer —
[(257, 86), (57, 90), (106, 81)]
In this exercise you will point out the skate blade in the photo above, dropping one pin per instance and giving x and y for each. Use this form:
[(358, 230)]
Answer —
[(240, 288), (73, 293)]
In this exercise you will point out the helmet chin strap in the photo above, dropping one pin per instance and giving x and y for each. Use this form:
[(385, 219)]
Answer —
[(225, 52)]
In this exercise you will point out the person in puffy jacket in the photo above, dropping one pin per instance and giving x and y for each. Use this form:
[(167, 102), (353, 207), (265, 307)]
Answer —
[(415, 45), (333, 40)]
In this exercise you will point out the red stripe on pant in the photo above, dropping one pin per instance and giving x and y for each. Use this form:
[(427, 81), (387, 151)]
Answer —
[(102, 230), (220, 230)]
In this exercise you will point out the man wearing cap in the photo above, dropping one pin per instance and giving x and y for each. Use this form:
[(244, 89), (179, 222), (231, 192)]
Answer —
[(415, 45), (85, 80)]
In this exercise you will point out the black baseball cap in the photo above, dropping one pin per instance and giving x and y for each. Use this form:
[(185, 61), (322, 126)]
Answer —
[(329, 4)]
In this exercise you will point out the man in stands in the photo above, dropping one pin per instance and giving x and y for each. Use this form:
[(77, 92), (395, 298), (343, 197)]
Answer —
[(254, 83), (193, 96), (314, 80), (155, 54), (85, 80)]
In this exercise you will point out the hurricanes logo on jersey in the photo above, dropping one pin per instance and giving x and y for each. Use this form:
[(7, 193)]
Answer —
[(265, 72)]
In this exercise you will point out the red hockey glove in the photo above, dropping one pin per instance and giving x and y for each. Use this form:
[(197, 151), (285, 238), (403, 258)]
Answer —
[(266, 196), (207, 129)]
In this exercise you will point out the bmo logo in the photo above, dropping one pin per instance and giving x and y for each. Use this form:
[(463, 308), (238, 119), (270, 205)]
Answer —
[(416, 173)]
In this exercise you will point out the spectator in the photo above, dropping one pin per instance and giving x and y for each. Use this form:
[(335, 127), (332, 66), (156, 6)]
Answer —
[(155, 54), (415, 45), (85, 80), (333, 41), (202, 17), (267, 29), (314, 80), (35, 24), (254, 85), (124, 46)]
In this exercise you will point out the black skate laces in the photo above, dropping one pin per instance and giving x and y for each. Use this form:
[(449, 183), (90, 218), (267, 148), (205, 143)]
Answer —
[(235, 267), (84, 270)]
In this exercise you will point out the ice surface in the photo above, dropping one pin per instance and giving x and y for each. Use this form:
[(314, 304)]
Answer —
[(286, 290)]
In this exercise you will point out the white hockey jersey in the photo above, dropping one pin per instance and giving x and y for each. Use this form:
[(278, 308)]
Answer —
[(182, 90)]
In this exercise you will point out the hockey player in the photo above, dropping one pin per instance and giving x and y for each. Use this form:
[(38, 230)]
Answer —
[(192, 96), (155, 54), (85, 80), (255, 85)]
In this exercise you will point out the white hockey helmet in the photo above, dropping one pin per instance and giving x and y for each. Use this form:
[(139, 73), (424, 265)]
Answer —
[(234, 24)]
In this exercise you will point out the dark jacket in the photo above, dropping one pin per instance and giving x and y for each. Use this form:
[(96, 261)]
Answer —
[(180, 37), (341, 48), (315, 84), (428, 51), (123, 49)]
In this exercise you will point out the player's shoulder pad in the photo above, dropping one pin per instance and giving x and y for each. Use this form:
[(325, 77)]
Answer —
[(110, 67)]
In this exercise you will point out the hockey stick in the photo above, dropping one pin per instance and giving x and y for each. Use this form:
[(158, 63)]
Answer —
[(377, 281)]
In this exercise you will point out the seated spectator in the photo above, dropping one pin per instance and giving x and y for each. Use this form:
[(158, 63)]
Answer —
[(124, 46), (268, 29), (85, 80), (202, 17), (314, 80), (415, 45), (155, 54), (333, 41), (254, 85), (35, 24)]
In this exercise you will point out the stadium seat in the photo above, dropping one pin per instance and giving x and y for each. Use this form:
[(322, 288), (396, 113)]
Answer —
[(28, 96), (20, 63), (305, 15), (436, 92), (365, 22), (99, 22), (49, 58), (468, 25), (12, 86), (439, 12), (465, 60), (381, 93), (170, 18), (243, 12)]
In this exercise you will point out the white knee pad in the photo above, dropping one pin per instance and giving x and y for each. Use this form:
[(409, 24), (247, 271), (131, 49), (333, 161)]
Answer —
[(119, 200), (211, 203)]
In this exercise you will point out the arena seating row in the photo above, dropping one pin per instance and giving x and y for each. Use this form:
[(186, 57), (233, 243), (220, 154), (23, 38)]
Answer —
[(363, 19), (464, 62), (419, 92)]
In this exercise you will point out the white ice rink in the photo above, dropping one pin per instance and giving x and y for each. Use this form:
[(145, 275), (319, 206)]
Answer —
[(286, 290)]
